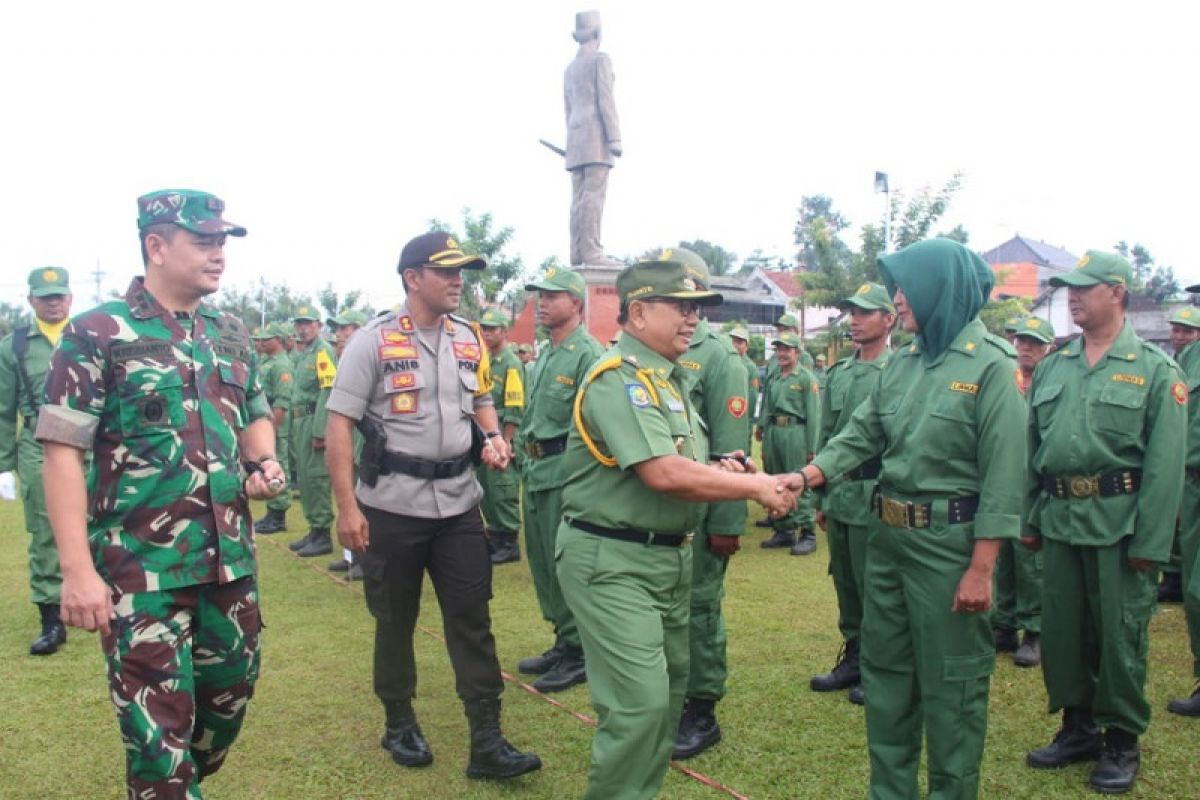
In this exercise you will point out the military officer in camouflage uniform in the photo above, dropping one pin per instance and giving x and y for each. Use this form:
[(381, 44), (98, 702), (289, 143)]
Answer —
[(313, 377), (418, 381), (740, 337), (275, 374), (788, 426), (24, 357), (635, 481), (557, 374), (1189, 518), (1108, 434), (846, 505), (157, 550), (502, 488)]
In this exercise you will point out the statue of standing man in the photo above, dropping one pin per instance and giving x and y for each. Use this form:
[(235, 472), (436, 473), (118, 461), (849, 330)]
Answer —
[(593, 138)]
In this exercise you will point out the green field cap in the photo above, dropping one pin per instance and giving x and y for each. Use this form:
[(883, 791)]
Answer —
[(1043, 331), (47, 281), (559, 280), (871, 297), (1097, 267)]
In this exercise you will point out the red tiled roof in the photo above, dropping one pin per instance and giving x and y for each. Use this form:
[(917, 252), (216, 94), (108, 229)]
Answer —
[(785, 281), (1020, 279)]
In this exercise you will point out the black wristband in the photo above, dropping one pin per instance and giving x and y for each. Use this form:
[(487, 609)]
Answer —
[(491, 434)]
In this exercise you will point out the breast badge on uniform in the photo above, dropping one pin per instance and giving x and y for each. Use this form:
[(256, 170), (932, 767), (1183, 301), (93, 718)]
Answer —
[(737, 406), (402, 380), (393, 351), (964, 387), (405, 403), (396, 337), (638, 396), (466, 350), (1179, 392)]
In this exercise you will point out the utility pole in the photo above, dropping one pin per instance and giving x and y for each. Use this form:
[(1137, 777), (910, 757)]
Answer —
[(98, 275)]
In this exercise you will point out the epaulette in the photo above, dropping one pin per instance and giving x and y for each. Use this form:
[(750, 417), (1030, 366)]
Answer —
[(379, 319), (457, 318), (1155, 349), (1000, 344)]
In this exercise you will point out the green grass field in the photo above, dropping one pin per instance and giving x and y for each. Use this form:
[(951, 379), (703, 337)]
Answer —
[(313, 728)]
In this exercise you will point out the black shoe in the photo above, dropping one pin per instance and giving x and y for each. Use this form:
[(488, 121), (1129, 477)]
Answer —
[(355, 572), (783, 537), (302, 542), (1005, 640), (857, 695), (54, 633), (1117, 768), (845, 672), (698, 728), (491, 754), (341, 565), (403, 739), (807, 543), (504, 548), (1186, 708), (1078, 740), (1170, 590), (764, 523), (273, 522), (569, 671), (1029, 654), (540, 665), (319, 545)]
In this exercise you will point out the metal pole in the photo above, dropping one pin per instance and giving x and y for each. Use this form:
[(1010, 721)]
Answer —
[(887, 219)]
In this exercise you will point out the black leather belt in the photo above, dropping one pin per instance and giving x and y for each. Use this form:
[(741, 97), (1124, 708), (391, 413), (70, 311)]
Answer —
[(784, 420), (907, 514), (630, 534), (541, 448), (30, 423), (1126, 481), (422, 468), (304, 409), (866, 471)]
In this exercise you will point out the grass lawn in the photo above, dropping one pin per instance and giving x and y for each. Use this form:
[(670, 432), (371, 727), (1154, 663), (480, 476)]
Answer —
[(313, 728)]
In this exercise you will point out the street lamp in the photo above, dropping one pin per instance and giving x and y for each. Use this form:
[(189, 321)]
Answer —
[(881, 185)]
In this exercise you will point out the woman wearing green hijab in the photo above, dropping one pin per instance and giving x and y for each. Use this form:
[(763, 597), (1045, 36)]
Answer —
[(947, 422)]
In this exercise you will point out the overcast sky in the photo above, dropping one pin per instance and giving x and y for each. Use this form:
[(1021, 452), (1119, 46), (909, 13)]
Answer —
[(334, 131)]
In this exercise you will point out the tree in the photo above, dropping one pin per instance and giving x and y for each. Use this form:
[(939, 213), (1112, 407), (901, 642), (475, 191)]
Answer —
[(1149, 279), (334, 304), (504, 272), (998, 312), (272, 302), (921, 211), (11, 316), (720, 261), (958, 234)]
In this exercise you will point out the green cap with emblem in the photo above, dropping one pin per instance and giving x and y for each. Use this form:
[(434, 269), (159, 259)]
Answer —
[(740, 332), (261, 333), (1097, 267), (348, 316), (661, 280), (198, 212), (693, 265), (556, 279), (306, 313), (493, 318), (787, 339), (1188, 315), (870, 297), (47, 281), (1012, 323), (1042, 330), (787, 321)]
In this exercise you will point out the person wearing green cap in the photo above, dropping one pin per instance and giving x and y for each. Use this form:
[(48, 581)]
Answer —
[(846, 503), (787, 323), (24, 359), (345, 325), (502, 488), (788, 426), (314, 374), (275, 372), (1189, 519), (635, 484), (945, 420), (1108, 427), (1010, 327), (1185, 330), (155, 541), (557, 374), (740, 337)]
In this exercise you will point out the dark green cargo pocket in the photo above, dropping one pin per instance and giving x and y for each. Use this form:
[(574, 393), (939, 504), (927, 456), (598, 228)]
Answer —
[(375, 587), (968, 668)]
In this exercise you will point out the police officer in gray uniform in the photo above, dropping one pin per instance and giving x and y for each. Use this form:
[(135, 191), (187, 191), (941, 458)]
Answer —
[(416, 381)]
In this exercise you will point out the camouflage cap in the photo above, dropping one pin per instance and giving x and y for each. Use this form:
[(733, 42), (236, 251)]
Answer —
[(661, 280), (740, 332), (438, 250), (870, 297), (306, 314), (47, 281), (787, 321), (693, 265), (1188, 315), (198, 212), (559, 280), (493, 318), (787, 339), (1042, 330), (348, 316), (1097, 267)]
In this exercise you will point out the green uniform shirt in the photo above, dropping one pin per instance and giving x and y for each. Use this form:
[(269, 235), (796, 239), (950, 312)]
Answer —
[(275, 372), (795, 394), (1189, 362), (550, 402), (15, 395), (508, 387), (848, 383), (717, 387), (1127, 412), (949, 428), (313, 376), (635, 408), (754, 385)]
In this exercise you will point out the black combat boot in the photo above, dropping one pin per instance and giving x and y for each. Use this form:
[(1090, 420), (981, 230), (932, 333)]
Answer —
[(807, 543), (1170, 590), (568, 671), (1118, 766), (303, 541), (273, 522), (491, 754), (765, 523), (403, 738), (1005, 640), (857, 695), (341, 565), (54, 633), (698, 728), (783, 537), (1077, 740), (1029, 654), (1188, 707), (540, 665), (504, 548), (319, 545), (845, 672)]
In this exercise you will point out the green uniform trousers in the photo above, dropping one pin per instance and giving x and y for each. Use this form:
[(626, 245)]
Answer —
[(283, 452), (501, 504), (312, 475), (1017, 588), (785, 449), (1189, 545), (847, 568), (543, 515), (631, 601), (182, 664), (1096, 620), (923, 665), (45, 578), (706, 628)]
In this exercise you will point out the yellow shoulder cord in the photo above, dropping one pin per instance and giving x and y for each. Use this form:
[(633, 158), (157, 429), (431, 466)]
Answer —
[(483, 373), (588, 441)]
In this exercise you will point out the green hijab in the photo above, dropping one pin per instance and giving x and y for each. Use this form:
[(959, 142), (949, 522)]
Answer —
[(946, 285)]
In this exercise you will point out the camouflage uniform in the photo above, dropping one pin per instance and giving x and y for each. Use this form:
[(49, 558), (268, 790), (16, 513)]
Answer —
[(161, 398)]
